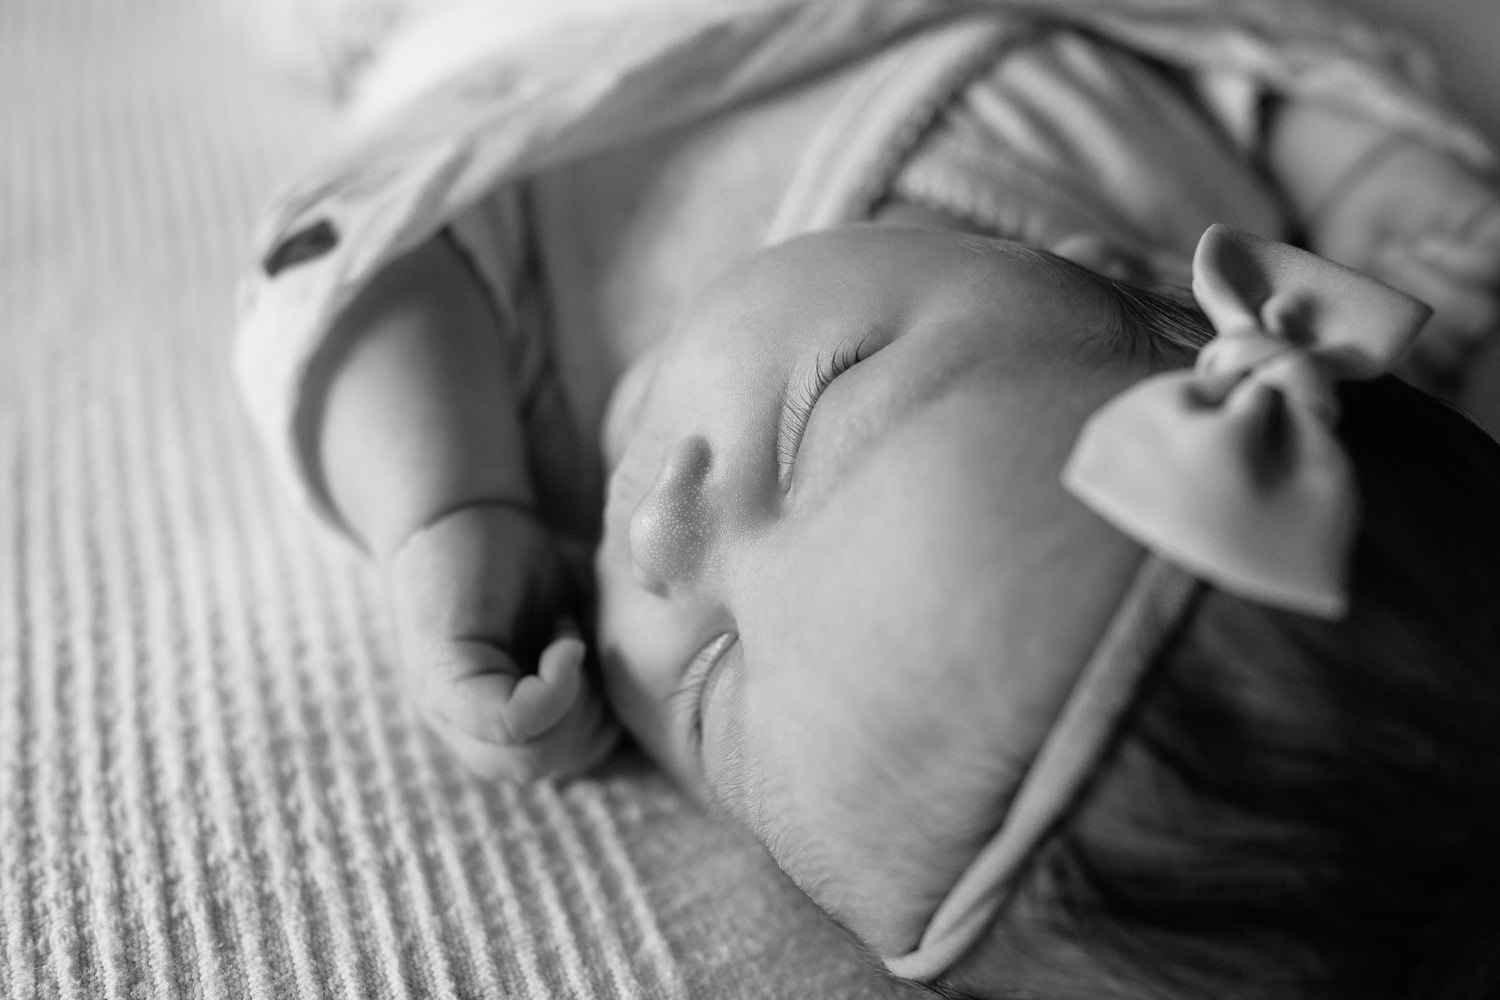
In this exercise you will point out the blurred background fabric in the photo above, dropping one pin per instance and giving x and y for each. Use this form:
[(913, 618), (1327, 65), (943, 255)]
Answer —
[(210, 784)]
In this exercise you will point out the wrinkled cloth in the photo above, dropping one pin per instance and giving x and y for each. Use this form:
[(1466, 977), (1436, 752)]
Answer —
[(212, 786), (519, 111), (1022, 128)]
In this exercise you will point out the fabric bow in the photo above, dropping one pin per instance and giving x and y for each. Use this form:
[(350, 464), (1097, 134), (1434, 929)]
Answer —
[(1232, 470)]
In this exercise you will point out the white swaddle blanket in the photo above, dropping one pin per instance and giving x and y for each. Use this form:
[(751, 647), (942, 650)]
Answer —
[(515, 109), (211, 787)]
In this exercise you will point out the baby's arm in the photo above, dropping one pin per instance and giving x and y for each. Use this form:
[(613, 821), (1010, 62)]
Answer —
[(1411, 215), (422, 454)]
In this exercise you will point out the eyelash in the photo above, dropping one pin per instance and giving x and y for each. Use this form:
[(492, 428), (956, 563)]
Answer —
[(846, 355)]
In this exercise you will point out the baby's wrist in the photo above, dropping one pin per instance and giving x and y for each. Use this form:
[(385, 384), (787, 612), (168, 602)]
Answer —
[(515, 512)]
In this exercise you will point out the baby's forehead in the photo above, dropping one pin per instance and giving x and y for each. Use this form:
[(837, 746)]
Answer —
[(860, 268)]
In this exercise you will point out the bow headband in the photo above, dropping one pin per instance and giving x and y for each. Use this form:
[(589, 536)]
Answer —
[(1229, 473)]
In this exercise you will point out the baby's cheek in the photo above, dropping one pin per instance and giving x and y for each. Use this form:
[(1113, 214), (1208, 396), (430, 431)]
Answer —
[(633, 651)]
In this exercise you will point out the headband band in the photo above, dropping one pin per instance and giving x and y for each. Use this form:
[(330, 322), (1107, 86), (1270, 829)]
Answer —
[(1154, 603), (1229, 473)]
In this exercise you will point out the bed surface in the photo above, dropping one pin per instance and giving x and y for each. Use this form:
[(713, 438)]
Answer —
[(210, 785)]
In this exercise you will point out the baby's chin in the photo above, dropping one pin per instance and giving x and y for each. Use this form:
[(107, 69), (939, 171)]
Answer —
[(884, 897), (879, 845)]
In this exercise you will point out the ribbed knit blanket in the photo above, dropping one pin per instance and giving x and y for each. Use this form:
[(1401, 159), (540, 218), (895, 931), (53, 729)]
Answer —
[(210, 784)]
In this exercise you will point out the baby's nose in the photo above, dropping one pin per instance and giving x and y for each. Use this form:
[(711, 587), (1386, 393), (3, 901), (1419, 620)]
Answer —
[(673, 526)]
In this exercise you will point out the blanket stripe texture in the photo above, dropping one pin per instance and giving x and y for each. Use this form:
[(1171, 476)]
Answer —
[(210, 782)]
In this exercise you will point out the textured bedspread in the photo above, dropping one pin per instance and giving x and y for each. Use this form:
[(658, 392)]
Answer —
[(210, 785), (209, 782)]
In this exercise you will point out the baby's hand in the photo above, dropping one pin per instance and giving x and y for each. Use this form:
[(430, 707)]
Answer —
[(1425, 224), (481, 600)]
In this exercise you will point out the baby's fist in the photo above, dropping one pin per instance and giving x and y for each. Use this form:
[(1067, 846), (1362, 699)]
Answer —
[(478, 599), (1424, 223), (1458, 274)]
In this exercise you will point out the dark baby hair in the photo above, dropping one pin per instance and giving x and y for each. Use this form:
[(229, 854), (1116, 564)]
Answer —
[(1299, 808)]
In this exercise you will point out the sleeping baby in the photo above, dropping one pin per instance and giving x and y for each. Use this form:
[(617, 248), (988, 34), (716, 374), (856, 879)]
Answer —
[(864, 407)]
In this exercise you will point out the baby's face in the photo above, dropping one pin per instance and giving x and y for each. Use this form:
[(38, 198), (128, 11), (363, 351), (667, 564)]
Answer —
[(847, 620)]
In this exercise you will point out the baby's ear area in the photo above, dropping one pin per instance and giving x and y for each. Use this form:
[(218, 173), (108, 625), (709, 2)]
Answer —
[(1247, 283)]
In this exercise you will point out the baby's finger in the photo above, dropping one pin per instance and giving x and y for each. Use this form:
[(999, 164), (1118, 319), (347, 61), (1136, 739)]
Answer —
[(458, 684), (489, 762), (476, 689), (540, 700), (546, 758), (584, 737)]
